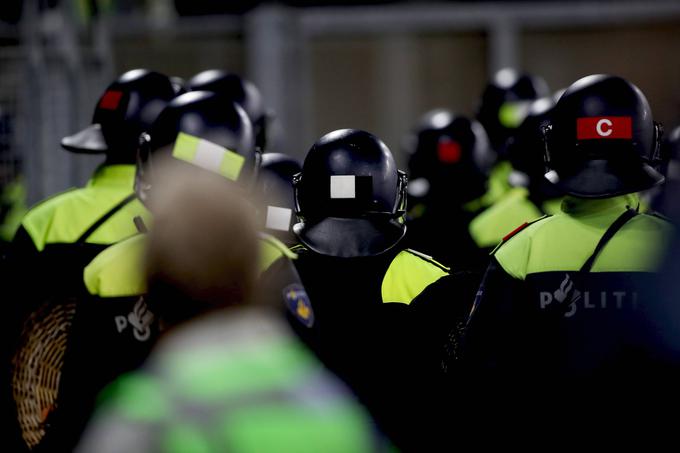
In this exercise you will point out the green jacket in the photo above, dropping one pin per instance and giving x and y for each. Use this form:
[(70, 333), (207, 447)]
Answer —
[(497, 185), (63, 218), (118, 272), (512, 210), (238, 382), (59, 236)]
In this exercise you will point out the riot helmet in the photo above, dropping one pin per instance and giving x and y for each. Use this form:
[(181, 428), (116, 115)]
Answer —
[(505, 103), (125, 110), (350, 196), (449, 157), (601, 140), (239, 90), (199, 128), (275, 186)]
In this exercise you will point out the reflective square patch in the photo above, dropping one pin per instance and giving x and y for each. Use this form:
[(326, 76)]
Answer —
[(343, 186), (278, 218)]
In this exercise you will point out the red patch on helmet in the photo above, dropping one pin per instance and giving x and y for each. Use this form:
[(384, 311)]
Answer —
[(449, 152), (110, 100), (604, 127)]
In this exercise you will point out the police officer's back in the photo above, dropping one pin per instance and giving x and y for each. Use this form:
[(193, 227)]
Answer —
[(360, 280), (558, 321), (66, 231), (115, 327), (449, 161), (59, 236)]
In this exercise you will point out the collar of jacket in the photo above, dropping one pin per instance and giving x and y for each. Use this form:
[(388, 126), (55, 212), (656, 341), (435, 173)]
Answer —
[(118, 175), (583, 208)]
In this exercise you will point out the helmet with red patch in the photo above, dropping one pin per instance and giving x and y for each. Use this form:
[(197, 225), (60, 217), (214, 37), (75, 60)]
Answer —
[(601, 140)]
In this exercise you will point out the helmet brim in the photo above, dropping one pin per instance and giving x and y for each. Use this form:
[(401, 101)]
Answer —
[(88, 141), (350, 237), (602, 179)]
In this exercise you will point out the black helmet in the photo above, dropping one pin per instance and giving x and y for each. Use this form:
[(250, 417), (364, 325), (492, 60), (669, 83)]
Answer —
[(601, 140), (204, 129), (526, 146), (350, 196), (239, 90), (275, 184), (449, 153), (505, 103), (126, 109)]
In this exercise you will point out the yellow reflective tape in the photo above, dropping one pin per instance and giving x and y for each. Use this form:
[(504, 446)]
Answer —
[(231, 165), (185, 147), (208, 155)]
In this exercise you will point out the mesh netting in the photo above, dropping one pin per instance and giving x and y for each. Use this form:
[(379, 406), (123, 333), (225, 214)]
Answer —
[(37, 367)]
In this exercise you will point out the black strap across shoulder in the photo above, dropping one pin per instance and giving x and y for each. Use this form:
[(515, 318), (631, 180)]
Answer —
[(606, 237), (124, 202)]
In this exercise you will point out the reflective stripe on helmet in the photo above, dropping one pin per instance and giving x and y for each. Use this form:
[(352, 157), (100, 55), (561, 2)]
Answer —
[(208, 155)]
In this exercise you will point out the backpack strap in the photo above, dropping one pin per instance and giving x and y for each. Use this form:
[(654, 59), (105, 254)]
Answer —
[(606, 237), (95, 226)]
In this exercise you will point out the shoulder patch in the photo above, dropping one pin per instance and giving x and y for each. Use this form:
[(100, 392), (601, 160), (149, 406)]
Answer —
[(514, 232), (429, 259), (298, 304)]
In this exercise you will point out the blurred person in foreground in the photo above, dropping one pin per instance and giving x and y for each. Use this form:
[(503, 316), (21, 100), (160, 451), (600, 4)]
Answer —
[(559, 323), (236, 378)]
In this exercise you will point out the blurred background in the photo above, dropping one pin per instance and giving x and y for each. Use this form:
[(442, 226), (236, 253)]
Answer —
[(320, 65)]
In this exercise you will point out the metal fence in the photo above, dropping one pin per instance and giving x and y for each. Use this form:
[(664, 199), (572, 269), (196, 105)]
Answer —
[(319, 68)]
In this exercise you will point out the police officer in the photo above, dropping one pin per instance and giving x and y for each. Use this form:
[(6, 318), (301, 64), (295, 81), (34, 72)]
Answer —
[(503, 107), (448, 168), (59, 236), (64, 232), (530, 195), (557, 319), (275, 184), (115, 326), (294, 405), (360, 279), (242, 91)]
